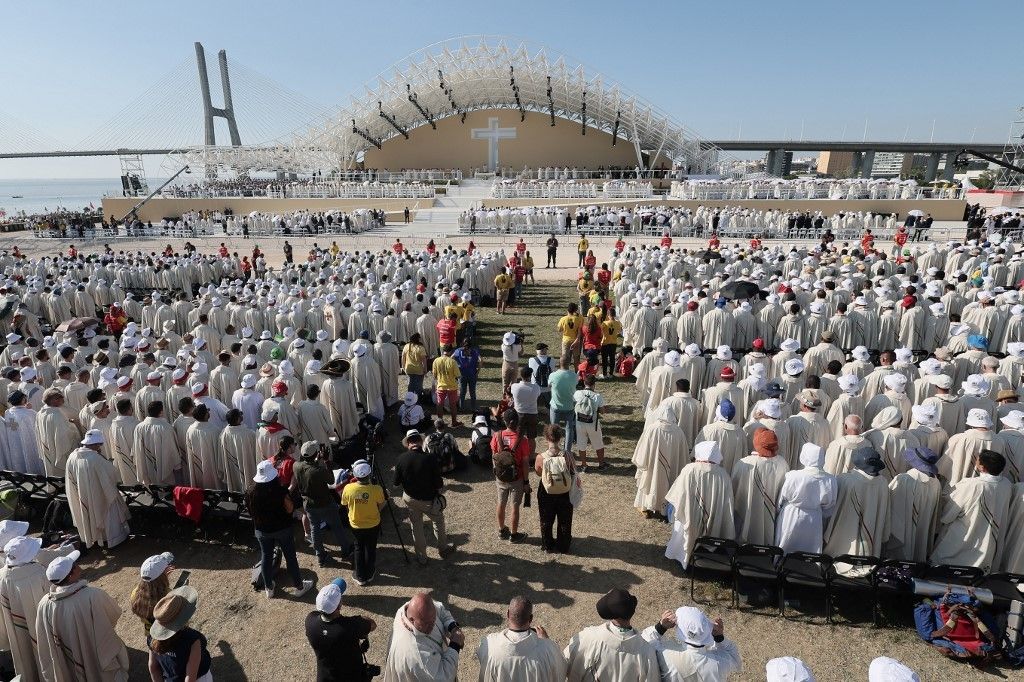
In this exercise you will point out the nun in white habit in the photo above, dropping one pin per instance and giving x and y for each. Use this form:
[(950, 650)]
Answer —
[(807, 498)]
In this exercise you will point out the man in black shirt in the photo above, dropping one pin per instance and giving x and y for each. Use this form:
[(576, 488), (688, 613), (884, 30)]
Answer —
[(419, 475), (552, 250), (338, 641), (287, 252)]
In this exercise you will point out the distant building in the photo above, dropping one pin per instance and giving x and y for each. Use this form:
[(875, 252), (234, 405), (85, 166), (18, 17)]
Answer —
[(777, 164), (836, 164), (891, 164)]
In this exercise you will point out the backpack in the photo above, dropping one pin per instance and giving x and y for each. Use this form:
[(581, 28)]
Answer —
[(441, 448), (504, 462), (543, 372), (556, 475), (480, 451), (586, 407), (256, 573), (56, 521)]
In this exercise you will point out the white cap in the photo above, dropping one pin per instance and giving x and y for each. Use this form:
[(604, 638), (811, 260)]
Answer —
[(979, 418), (860, 353), (904, 354), (328, 598), (693, 627), (154, 376), (21, 550), (61, 567), (509, 338), (895, 382), (361, 469), (772, 408), (28, 374), (179, 374), (672, 358), (794, 366), (707, 451), (724, 353), (1014, 419), (927, 414), (93, 437), (198, 388), (123, 381), (692, 350), (265, 472), (154, 566)]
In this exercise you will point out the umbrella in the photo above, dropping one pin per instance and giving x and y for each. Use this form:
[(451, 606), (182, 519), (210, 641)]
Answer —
[(738, 289), (709, 254), (999, 210), (77, 324), (916, 212)]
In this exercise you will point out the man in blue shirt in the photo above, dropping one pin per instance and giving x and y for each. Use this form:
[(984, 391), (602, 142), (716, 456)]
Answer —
[(468, 360), (563, 386)]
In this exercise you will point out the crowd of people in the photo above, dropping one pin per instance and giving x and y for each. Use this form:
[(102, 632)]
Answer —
[(571, 189), (803, 397), (811, 188)]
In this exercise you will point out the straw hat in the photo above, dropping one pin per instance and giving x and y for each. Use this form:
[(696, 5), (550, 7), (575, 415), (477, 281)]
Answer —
[(172, 613)]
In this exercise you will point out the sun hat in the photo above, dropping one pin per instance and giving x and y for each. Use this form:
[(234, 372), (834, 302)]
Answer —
[(923, 459), (155, 566), (616, 604), (60, 568), (248, 381), (794, 366), (693, 626), (410, 399), (411, 433), (868, 460), (172, 613), (809, 399), (979, 418), (11, 529), (885, 669), (1014, 419), (707, 451), (265, 472), (895, 382)]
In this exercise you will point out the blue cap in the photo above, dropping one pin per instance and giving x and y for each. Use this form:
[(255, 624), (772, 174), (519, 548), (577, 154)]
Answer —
[(365, 334), (977, 341), (728, 409), (340, 582), (720, 303)]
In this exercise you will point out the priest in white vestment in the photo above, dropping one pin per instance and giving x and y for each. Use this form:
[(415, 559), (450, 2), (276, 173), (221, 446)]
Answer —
[(238, 452), (23, 447), (890, 439), (339, 398), (93, 651), (964, 447), (663, 381), (157, 461), (23, 584), (701, 499), (692, 647), (914, 507), (658, 457), (1013, 555), (756, 481), (613, 650), (202, 449), (807, 425), (522, 651), (731, 439), (425, 643), (975, 517), (58, 435), (97, 507), (314, 419), (860, 524)]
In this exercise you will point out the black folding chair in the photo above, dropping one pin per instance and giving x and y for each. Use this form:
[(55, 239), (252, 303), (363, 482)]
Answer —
[(1005, 587), (950, 574), (806, 569), (759, 563), (858, 575), (892, 591), (711, 554)]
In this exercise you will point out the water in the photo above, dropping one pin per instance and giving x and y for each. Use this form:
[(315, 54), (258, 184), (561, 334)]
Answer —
[(38, 196)]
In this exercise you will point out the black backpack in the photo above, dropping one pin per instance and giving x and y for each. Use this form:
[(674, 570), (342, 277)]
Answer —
[(256, 575), (57, 521)]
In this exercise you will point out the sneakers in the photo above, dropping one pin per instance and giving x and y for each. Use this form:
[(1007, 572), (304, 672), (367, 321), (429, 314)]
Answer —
[(602, 466), (325, 562), (504, 533), (516, 538), (269, 591), (298, 592)]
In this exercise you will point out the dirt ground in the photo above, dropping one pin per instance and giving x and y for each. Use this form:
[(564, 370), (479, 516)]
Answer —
[(252, 638)]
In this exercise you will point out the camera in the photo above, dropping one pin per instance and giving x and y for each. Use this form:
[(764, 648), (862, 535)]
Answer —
[(371, 670), (520, 337)]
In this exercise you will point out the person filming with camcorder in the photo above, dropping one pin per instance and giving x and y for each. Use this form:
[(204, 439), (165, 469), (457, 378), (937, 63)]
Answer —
[(339, 642), (314, 480)]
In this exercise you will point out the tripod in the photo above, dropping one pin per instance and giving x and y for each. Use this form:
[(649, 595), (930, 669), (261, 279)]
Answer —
[(387, 499)]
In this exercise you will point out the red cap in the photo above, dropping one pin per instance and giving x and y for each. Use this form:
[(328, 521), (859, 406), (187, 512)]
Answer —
[(728, 373), (908, 301), (758, 344), (691, 305), (279, 388)]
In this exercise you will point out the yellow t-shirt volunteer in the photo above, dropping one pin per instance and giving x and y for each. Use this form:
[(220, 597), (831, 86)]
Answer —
[(611, 332), (446, 373), (363, 500), (570, 326), (583, 245)]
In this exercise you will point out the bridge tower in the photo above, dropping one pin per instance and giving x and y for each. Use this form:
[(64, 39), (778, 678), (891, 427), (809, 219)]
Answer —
[(227, 112)]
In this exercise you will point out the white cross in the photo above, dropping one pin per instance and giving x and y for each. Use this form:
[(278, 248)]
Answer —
[(492, 133)]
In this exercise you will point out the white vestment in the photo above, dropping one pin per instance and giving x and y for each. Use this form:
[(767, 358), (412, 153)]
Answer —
[(606, 652), (97, 508)]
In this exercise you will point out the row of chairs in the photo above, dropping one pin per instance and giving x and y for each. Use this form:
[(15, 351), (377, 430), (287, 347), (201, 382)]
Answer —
[(769, 566)]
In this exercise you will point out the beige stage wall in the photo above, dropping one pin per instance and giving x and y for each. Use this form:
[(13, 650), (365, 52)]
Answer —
[(158, 209), (536, 144), (940, 209)]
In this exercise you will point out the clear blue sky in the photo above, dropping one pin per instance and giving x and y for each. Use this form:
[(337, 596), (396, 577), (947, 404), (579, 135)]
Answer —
[(715, 66)]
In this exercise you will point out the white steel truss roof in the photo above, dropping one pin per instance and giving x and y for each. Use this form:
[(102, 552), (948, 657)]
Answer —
[(466, 74)]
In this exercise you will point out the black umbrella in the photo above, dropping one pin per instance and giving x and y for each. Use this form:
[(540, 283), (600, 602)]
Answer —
[(710, 255), (738, 289)]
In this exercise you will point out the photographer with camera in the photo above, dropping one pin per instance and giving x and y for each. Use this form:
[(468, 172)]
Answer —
[(314, 481), (339, 642)]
